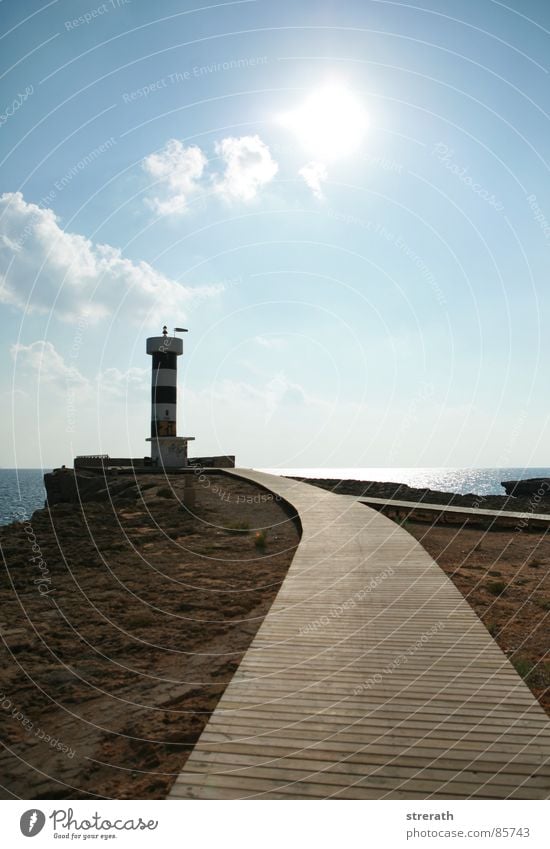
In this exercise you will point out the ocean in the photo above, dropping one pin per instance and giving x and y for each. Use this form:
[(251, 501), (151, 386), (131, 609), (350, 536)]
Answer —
[(25, 487), (462, 481), (20, 488)]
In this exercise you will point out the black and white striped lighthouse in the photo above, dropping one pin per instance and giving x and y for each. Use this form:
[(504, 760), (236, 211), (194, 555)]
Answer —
[(167, 449)]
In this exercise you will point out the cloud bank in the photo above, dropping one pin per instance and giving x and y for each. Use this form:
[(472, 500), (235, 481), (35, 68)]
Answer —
[(45, 268)]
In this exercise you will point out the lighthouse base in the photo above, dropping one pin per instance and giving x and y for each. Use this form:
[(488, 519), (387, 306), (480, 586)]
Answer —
[(169, 451)]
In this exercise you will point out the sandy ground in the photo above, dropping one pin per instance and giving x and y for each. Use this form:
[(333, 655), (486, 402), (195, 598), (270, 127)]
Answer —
[(121, 635), (505, 576)]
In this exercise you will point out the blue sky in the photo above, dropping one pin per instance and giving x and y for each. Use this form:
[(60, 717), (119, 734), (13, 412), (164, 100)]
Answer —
[(387, 307)]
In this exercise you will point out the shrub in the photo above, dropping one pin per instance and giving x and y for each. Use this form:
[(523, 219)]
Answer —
[(260, 540), (496, 587), (166, 492), (140, 620), (524, 667)]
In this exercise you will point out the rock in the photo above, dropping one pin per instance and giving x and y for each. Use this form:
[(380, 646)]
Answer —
[(525, 488)]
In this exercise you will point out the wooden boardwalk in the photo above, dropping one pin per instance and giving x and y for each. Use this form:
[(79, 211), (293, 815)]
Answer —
[(454, 514), (370, 678)]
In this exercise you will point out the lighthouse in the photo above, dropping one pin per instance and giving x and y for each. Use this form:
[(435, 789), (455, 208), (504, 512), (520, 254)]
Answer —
[(167, 449)]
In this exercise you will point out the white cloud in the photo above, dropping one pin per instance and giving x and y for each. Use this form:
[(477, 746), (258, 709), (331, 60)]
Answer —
[(248, 166), (43, 362), (41, 359), (118, 383), (280, 391), (267, 399), (43, 268), (314, 174), (272, 420), (63, 412), (178, 169)]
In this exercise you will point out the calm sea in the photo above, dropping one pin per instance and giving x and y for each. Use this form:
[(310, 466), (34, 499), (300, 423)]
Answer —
[(462, 481), (25, 487), (20, 488)]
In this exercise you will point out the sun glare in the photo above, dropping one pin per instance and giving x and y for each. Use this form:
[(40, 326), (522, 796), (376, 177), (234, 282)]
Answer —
[(331, 123)]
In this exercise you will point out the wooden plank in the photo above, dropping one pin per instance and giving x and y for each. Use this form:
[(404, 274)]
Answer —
[(370, 678), (511, 517)]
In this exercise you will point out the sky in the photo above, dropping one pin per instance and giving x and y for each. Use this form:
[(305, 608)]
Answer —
[(346, 203)]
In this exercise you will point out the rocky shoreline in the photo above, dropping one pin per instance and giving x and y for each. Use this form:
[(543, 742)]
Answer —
[(537, 502)]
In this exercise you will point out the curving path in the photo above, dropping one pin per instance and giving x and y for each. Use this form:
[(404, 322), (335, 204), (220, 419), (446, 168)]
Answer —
[(370, 678)]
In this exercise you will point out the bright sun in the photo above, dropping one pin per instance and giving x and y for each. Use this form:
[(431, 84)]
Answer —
[(329, 124)]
